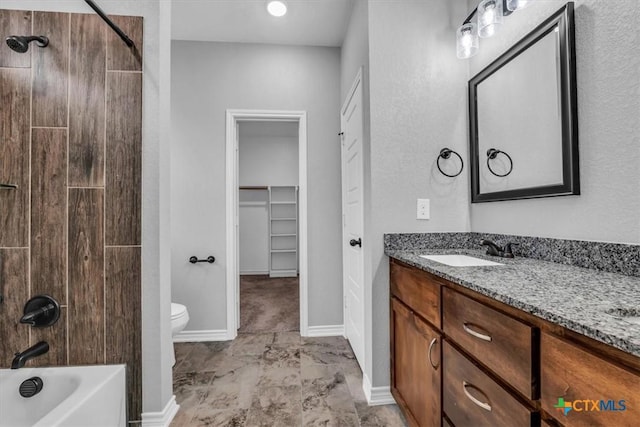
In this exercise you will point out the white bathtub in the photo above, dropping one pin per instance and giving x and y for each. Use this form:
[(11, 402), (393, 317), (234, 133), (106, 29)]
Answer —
[(74, 396)]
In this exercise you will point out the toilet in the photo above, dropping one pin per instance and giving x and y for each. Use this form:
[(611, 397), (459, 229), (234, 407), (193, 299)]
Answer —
[(179, 319)]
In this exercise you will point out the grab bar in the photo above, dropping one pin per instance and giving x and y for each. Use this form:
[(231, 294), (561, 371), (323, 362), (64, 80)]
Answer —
[(210, 259)]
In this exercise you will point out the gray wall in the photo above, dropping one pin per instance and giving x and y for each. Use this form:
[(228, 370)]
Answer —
[(608, 70), (207, 79), (156, 319), (418, 104), (268, 153), (355, 48)]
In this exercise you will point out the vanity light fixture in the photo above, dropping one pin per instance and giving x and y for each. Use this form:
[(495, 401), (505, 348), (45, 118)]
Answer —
[(490, 15), (276, 8), (467, 40)]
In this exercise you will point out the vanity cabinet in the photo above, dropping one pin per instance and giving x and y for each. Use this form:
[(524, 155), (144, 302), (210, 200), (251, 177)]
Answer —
[(416, 345), (423, 310), (462, 359)]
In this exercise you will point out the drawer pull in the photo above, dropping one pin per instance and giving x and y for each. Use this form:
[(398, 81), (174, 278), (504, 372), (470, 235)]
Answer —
[(433, 343), (471, 332), (483, 405)]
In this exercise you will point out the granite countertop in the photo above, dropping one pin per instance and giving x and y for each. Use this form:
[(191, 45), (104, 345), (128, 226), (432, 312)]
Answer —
[(585, 301)]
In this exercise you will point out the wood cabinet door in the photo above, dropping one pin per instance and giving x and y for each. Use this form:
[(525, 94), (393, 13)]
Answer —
[(582, 389), (416, 367)]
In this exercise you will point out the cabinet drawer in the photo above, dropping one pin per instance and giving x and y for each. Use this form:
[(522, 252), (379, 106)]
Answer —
[(500, 342), (472, 399), (418, 290), (576, 376)]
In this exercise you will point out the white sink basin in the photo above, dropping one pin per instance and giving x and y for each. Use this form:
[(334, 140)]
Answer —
[(459, 260)]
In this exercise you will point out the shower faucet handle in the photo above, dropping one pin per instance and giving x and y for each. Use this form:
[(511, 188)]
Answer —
[(41, 311)]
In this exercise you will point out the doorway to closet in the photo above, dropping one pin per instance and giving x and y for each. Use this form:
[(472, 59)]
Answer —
[(268, 226), (266, 217)]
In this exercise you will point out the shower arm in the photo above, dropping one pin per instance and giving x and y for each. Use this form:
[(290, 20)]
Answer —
[(113, 26)]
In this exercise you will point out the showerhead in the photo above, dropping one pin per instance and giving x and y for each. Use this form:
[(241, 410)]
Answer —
[(20, 44)]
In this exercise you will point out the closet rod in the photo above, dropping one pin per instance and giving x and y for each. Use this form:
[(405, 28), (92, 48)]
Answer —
[(254, 187)]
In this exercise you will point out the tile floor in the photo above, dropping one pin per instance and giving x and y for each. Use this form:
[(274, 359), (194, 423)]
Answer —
[(269, 304), (274, 379)]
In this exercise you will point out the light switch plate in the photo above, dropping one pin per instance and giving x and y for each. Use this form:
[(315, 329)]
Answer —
[(424, 211)]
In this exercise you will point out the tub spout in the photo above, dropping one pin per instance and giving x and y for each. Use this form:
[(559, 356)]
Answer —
[(30, 353)]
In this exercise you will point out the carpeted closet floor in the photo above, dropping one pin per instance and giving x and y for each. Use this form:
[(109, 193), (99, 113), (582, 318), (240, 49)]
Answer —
[(269, 304)]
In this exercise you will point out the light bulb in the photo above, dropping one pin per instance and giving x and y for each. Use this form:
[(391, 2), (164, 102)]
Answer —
[(489, 17), (277, 8), (513, 5), (467, 41)]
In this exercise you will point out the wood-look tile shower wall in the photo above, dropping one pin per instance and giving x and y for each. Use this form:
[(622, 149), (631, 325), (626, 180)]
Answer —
[(71, 139)]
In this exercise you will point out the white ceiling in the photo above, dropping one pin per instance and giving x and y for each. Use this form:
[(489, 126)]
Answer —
[(307, 22)]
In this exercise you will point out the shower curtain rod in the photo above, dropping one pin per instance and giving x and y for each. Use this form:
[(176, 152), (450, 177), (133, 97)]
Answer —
[(113, 26)]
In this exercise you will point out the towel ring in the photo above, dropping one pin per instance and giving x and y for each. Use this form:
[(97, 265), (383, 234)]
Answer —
[(445, 153), (492, 153)]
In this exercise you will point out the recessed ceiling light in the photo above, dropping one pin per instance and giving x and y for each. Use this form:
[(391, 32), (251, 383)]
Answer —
[(277, 8)]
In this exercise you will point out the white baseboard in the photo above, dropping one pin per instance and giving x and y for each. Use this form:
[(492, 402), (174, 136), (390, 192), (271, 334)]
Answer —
[(163, 418), (285, 273), (325, 331), (254, 273), (197, 336), (377, 395)]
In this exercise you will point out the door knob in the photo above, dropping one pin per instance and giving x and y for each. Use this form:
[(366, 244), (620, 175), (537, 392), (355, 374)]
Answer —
[(354, 242)]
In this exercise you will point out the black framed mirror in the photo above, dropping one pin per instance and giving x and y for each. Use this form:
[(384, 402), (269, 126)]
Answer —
[(523, 118)]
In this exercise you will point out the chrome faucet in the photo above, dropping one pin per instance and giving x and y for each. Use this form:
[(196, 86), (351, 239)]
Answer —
[(495, 250), (30, 353)]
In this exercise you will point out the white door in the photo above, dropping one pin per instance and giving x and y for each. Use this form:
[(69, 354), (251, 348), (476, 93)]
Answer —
[(352, 210), (236, 223)]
